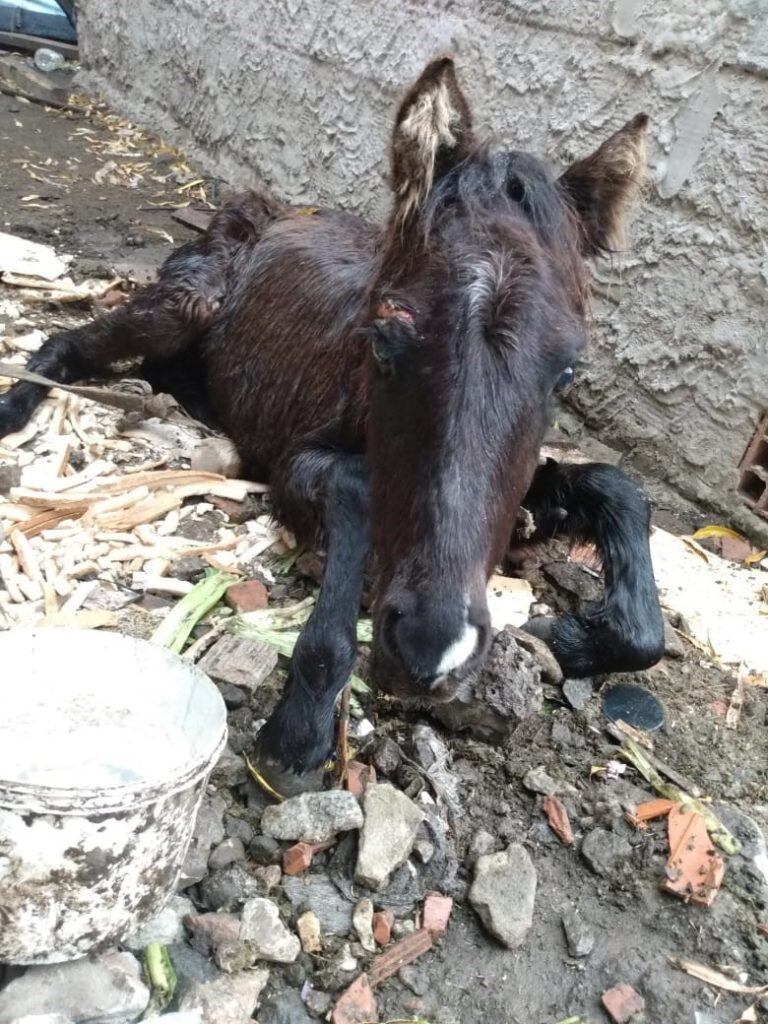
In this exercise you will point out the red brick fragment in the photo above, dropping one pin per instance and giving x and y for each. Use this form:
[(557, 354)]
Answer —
[(247, 597), (356, 1004), (558, 819), (400, 955), (436, 913), (297, 859), (359, 777), (622, 1003), (383, 920)]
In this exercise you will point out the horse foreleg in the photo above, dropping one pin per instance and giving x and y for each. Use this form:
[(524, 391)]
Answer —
[(598, 503), (300, 734)]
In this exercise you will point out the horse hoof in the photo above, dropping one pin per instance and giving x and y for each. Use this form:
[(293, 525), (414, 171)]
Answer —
[(281, 782)]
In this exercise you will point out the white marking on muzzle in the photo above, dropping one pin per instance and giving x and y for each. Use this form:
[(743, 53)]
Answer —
[(459, 651)]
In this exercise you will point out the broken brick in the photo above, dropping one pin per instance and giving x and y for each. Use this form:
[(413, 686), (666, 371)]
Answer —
[(436, 913), (383, 922), (622, 1002), (558, 819), (356, 1004), (400, 955), (247, 597), (694, 870), (297, 859), (359, 777)]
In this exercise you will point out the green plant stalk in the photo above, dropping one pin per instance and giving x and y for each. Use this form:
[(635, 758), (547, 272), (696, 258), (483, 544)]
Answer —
[(632, 753), (175, 629), (161, 977)]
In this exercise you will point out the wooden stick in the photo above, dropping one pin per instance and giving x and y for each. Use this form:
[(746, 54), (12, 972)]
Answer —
[(26, 556)]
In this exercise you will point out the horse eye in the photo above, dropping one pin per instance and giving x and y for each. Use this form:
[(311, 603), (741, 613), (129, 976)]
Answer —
[(565, 379), (382, 353)]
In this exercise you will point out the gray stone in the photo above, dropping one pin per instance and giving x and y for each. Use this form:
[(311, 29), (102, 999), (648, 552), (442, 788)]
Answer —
[(262, 928), (284, 1008), (491, 704), (191, 967), (108, 988), (270, 876), (228, 888), (503, 894), (265, 850), (241, 662), (482, 843), (578, 692), (319, 1003), (166, 927), (605, 851), (423, 850), (318, 894), (673, 645), (230, 999), (578, 934), (414, 979), (232, 957), (230, 769), (539, 781), (391, 824), (362, 922), (313, 817), (209, 831), (386, 755), (227, 852), (239, 828)]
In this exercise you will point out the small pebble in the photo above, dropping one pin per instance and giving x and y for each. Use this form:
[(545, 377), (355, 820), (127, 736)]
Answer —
[(226, 853)]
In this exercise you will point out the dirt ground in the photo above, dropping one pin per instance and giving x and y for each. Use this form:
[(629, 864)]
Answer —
[(107, 220)]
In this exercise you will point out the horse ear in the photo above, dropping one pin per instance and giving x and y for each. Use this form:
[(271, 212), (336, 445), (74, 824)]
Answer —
[(602, 187), (433, 132)]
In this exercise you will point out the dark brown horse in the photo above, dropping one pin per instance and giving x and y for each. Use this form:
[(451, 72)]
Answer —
[(394, 385)]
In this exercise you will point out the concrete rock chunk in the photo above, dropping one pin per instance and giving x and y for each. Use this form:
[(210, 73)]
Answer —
[(313, 817), (107, 988), (241, 662), (503, 894), (389, 832), (230, 999), (605, 851), (262, 928), (492, 703), (166, 927)]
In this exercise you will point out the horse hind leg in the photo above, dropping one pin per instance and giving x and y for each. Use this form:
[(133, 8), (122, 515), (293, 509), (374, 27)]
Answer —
[(145, 326)]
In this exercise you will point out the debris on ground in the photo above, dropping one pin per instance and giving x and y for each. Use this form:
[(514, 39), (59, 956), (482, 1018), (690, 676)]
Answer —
[(622, 1003), (503, 894), (494, 702), (389, 832)]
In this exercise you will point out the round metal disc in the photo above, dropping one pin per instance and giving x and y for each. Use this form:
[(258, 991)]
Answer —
[(634, 705)]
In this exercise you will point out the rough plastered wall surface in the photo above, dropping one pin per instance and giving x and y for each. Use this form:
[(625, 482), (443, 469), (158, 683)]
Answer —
[(300, 94)]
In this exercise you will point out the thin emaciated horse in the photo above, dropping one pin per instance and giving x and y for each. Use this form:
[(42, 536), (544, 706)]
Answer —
[(394, 385)]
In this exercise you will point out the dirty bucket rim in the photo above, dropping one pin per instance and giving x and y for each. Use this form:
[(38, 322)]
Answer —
[(42, 797)]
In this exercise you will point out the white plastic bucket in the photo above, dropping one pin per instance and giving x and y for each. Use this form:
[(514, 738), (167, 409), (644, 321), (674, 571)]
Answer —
[(106, 744)]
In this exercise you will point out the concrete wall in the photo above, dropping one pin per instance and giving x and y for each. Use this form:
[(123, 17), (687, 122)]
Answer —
[(300, 94)]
